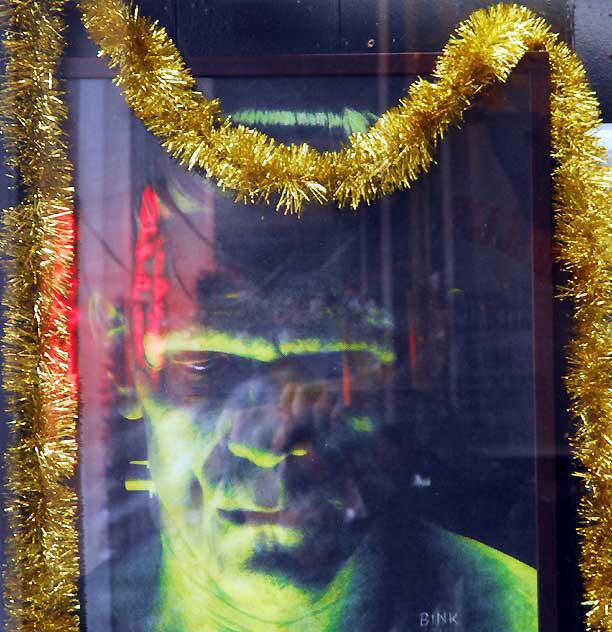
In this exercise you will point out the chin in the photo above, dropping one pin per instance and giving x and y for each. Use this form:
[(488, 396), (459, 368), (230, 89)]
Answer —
[(231, 547), (312, 563), (296, 567)]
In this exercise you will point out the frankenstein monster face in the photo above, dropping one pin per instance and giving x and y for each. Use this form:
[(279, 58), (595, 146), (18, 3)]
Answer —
[(265, 448), (264, 369)]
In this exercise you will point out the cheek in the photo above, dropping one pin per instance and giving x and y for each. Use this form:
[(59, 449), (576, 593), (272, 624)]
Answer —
[(180, 440), (176, 451)]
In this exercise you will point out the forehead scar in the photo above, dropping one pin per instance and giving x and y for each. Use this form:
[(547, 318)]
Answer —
[(220, 342)]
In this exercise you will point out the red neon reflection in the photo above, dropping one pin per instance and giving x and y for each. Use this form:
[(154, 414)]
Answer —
[(58, 326), (346, 380), (149, 286), (412, 350)]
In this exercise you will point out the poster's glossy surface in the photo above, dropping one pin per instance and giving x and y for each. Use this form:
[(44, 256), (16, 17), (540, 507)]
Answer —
[(315, 423)]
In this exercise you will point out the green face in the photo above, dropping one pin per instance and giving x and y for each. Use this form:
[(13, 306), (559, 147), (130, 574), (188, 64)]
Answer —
[(266, 457)]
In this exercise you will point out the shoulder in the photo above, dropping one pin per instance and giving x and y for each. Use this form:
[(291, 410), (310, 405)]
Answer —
[(499, 591)]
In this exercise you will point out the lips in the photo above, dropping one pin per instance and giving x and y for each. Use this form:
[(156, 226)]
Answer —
[(296, 516)]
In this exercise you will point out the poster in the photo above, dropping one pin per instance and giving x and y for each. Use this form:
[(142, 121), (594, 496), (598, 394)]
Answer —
[(326, 422)]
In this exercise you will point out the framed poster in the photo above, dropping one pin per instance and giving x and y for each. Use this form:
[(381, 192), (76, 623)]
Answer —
[(339, 421)]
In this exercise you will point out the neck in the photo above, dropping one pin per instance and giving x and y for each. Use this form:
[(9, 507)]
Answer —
[(192, 601)]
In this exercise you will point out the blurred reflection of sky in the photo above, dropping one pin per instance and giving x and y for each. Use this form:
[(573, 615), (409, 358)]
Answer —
[(605, 133)]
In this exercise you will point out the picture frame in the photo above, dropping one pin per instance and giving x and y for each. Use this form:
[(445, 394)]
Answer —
[(466, 283)]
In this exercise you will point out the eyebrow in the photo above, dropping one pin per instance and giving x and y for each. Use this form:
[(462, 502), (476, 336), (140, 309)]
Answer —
[(263, 350)]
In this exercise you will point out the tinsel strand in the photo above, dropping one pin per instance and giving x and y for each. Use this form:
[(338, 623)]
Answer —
[(392, 154), (160, 89), (42, 560)]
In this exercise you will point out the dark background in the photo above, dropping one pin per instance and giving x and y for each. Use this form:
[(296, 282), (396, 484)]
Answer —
[(251, 27)]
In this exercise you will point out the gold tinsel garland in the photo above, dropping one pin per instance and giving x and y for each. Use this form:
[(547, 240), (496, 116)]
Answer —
[(393, 153), (161, 90), (42, 558), (484, 49)]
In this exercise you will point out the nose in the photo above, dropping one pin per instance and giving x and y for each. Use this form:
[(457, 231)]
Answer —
[(266, 423), (300, 407), (265, 433), (243, 463), (261, 458)]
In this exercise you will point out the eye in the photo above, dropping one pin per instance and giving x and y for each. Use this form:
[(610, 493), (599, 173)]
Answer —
[(202, 365), (199, 367), (206, 376)]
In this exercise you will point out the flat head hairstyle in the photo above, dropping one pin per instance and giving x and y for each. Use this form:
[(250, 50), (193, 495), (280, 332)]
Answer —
[(241, 269)]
